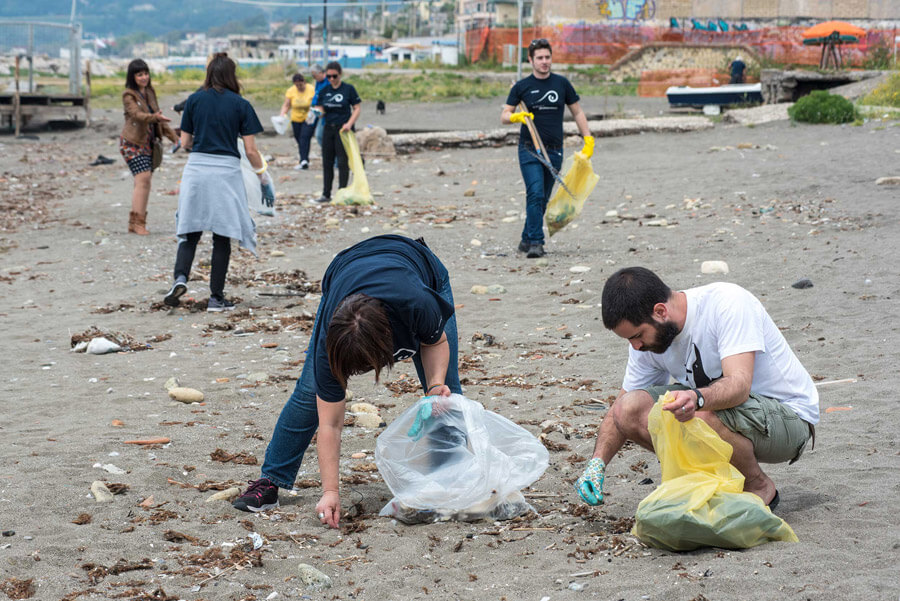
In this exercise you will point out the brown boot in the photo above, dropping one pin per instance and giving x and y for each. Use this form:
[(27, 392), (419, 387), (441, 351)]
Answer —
[(138, 224), (132, 216)]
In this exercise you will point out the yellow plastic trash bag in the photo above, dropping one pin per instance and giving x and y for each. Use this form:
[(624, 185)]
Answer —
[(357, 193), (700, 502), (580, 178)]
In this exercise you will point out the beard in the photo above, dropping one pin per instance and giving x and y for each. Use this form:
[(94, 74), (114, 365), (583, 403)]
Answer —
[(665, 335)]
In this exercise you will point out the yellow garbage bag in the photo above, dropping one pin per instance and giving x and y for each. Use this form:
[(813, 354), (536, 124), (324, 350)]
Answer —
[(357, 193), (580, 178), (701, 502)]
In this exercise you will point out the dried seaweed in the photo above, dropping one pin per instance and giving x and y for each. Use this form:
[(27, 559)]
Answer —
[(243, 458), (17, 589)]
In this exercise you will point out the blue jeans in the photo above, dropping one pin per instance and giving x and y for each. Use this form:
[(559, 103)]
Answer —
[(299, 419), (303, 132), (538, 186)]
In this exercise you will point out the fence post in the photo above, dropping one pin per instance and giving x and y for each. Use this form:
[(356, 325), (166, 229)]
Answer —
[(87, 93), (17, 111)]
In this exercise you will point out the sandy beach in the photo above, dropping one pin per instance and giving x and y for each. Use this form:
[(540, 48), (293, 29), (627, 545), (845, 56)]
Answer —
[(778, 202)]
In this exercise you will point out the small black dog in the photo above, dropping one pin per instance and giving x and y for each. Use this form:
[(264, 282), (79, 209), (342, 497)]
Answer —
[(379, 107)]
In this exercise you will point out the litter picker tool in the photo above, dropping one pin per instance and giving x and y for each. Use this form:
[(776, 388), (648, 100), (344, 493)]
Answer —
[(541, 153)]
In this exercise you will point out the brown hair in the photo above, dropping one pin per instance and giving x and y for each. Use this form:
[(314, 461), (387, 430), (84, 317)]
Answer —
[(221, 74), (359, 338)]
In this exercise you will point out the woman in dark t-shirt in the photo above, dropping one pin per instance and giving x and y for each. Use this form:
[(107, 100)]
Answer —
[(341, 106), (385, 299)]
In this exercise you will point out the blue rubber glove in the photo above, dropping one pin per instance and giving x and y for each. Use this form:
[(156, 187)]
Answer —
[(590, 485), (268, 189), (422, 416)]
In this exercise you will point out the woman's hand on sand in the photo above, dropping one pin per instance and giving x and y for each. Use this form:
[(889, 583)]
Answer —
[(328, 508)]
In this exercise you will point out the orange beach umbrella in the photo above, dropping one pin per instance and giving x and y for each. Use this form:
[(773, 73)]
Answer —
[(829, 27)]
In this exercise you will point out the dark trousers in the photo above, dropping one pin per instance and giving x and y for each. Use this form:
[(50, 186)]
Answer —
[(221, 255), (303, 133), (333, 148)]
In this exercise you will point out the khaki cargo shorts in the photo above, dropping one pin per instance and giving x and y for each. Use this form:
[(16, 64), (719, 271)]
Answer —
[(777, 433)]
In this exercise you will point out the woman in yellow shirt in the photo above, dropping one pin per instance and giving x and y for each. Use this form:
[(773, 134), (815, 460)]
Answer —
[(298, 100)]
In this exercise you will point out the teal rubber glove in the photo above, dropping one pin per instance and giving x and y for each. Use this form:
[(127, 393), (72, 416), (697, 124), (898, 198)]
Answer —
[(268, 189), (590, 485), (422, 416)]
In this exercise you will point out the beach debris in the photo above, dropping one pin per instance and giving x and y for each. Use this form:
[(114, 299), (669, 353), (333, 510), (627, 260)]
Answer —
[(18, 589), (469, 193), (801, 284), (276, 253), (243, 457), (368, 421), (579, 269), (259, 376), (714, 267), (888, 181), (475, 242), (256, 539), (109, 467), (228, 494), (496, 289), (364, 408), (312, 577), (576, 586), (100, 492), (833, 409), (82, 519), (358, 456), (186, 395), (117, 423), (155, 440), (171, 383), (101, 346), (479, 289)]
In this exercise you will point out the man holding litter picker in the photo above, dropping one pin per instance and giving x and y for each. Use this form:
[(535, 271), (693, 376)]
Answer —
[(538, 102)]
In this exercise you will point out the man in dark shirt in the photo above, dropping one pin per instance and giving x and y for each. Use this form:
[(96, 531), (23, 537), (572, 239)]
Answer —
[(545, 96), (737, 70), (384, 300)]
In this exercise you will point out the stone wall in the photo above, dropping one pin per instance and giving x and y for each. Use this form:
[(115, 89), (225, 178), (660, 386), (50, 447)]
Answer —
[(664, 57)]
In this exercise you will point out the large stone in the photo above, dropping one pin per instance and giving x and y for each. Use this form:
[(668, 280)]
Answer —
[(714, 267), (364, 408), (375, 141), (186, 395), (312, 577)]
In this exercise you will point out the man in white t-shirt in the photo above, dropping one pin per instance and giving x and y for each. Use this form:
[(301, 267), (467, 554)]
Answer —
[(731, 366)]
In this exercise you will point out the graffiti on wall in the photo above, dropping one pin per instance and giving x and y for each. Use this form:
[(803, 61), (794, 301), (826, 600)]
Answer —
[(627, 10)]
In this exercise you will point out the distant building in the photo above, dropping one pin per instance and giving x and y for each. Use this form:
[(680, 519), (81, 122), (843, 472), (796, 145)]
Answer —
[(250, 46), (151, 50), (472, 14)]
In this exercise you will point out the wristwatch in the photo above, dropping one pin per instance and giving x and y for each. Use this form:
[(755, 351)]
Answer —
[(700, 400)]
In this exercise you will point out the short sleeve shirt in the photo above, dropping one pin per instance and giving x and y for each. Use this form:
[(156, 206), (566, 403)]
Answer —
[(547, 99), (405, 276), (217, 119), (722, 320), (338, 103), (300, 102)]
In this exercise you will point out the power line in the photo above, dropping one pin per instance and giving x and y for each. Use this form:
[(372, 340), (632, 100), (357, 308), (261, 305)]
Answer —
[(343, 4)]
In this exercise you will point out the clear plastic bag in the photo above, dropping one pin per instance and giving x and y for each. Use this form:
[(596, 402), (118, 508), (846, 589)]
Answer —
[(700, 502), (579, 177), (357, 193), (446, 458)]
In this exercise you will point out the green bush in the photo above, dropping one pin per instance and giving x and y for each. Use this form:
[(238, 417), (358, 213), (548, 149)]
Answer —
[(822, 107)]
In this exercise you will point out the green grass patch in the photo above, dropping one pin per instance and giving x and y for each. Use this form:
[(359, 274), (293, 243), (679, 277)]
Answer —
[(887, 94), (822, 107)]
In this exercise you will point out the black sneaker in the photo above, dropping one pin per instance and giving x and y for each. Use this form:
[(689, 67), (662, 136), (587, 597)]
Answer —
[(535, 251), (217, 305), (524, 246), (321, 200), (260, 496), (174, 295)]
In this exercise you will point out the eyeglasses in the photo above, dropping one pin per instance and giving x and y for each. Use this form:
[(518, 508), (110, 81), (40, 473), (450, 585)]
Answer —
[(539, 42), (334, 76)]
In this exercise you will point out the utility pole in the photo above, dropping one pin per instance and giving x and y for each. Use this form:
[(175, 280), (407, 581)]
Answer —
[(519, 48), (325, 33)]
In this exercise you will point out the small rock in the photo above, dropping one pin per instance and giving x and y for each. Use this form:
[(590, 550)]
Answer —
[(612, 213), (887, 181), (577, 587), (171, 383), (225, 495), (364, 408), (801, 284), (511, 219), (711, 267), (542, 262), (368, 421), (475, 242), (186, 395), (579, 269), (358, 456), (470, 192), (657, 223), (9, 533), (479, 289), (312, 577), (101, 346), (495, 289), (332, 222), (276, 253), (259, 376), (100, 492), (109, 467)]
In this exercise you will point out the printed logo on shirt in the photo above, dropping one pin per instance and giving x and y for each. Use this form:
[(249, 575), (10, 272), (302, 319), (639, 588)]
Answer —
[(337, 98), (550, 96), (403, 353)]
